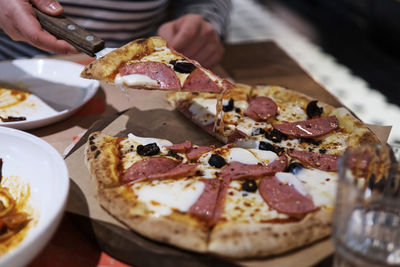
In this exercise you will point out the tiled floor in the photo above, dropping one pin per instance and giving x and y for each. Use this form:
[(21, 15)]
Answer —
[(252, 21)]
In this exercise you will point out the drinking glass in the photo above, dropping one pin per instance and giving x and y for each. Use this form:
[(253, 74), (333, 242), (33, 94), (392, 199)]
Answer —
[(366, 222)]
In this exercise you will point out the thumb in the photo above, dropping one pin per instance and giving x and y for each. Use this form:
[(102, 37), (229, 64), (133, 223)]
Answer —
[(50, 7)]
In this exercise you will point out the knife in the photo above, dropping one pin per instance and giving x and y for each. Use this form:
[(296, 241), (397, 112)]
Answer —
[(64, 28)]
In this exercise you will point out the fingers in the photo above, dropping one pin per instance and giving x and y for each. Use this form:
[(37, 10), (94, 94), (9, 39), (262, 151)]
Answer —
[(50, 7), (27, 28), (195, 38)]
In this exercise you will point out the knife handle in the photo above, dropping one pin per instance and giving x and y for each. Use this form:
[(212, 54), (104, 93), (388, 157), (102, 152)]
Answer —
[(64, 28)]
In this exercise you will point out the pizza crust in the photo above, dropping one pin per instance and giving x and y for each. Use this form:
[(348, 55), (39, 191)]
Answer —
[(105, 67), (176, 229), (264, 239), (102, 159)]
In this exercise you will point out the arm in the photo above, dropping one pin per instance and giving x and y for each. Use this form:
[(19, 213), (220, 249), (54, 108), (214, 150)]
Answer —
[(18, 20), (197, 30)]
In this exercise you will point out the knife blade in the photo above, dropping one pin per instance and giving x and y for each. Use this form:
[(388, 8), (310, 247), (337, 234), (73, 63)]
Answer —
[(64, 28)]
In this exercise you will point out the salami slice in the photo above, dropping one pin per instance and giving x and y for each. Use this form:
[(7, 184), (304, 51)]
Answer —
[(158, 71), (157, 168), (284, 198), (199, 81), (197, 151), (205, 204), (181, 148), (261, 108), (237, 170), (219, 206), (308, 128), (236, 136), (323, 162)]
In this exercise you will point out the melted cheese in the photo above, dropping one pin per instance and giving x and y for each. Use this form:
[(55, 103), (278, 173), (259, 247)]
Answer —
[(242, 206), (264, 155), (241, 155), (135, 80), (320, 185), (163, 197)]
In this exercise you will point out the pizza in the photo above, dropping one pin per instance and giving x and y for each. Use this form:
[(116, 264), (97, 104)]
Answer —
[(268, 190), (275, 118), (151, 64)]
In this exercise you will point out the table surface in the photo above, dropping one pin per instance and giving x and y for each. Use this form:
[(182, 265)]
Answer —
[(253, 63)]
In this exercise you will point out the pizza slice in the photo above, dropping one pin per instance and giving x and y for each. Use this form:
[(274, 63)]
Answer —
[(274, 117), (230, 201), (151, 64)]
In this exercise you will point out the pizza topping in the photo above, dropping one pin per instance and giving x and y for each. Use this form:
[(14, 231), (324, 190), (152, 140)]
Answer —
[(261, 108), (1, 169), (216, 161), (205, 204), (200, 82), (182, 66), (237, 135), (157, 168), (313, 110), (324, 162), (266, 146), (249, 186), (258, 131), (284, 197), (237, 170), (275, 136), (228, 107), (197, 151), (241, 155), (294, 167), (148, 150), (308, 128), (182, 147), (310, 141), (157, 71)]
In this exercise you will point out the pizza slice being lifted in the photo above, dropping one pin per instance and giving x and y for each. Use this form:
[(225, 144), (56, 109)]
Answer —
[(151, 64)]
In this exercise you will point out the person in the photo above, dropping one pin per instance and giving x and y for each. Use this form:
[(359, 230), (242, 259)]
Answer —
[(193, 28)]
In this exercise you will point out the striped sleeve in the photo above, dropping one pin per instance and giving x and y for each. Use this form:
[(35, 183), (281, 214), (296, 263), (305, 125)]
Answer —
[(216, 12)]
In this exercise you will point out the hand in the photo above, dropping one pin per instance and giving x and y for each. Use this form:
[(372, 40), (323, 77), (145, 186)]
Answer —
[(192, 36), (18, 20)]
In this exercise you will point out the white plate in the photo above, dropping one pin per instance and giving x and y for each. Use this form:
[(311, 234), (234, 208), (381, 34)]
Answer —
[(56, 82), (38, 164)]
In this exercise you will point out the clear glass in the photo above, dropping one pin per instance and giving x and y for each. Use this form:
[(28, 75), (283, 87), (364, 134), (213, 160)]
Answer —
[(367, 213)]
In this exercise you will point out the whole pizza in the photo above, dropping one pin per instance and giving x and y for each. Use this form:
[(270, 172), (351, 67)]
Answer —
[(268, 190)]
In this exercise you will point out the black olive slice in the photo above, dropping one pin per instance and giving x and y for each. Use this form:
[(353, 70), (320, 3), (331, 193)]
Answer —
[(249, 186), (229, 106), (266, 146), (148, 150), (237, 110), (258, 131), (275, 136), (313, 110), (216, 161), (182, 66), (294, 167)]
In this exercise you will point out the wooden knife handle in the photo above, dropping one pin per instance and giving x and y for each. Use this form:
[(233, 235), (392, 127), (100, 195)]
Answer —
[(64, 28)]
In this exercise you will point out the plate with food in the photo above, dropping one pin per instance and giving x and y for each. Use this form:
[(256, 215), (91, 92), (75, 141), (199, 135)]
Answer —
[(33, 191), (38, 92)]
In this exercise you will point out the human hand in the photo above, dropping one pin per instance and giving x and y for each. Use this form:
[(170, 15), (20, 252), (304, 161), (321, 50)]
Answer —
[(18, 20), (194, 37)]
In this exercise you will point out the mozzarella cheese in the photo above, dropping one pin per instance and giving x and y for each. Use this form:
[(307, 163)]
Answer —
[(135, 79), (241, 155), (291, 180), (242, 206), (320, 185), (165, 196)]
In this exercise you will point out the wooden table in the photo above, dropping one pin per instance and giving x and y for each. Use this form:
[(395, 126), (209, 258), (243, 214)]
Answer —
[(257, 63)]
